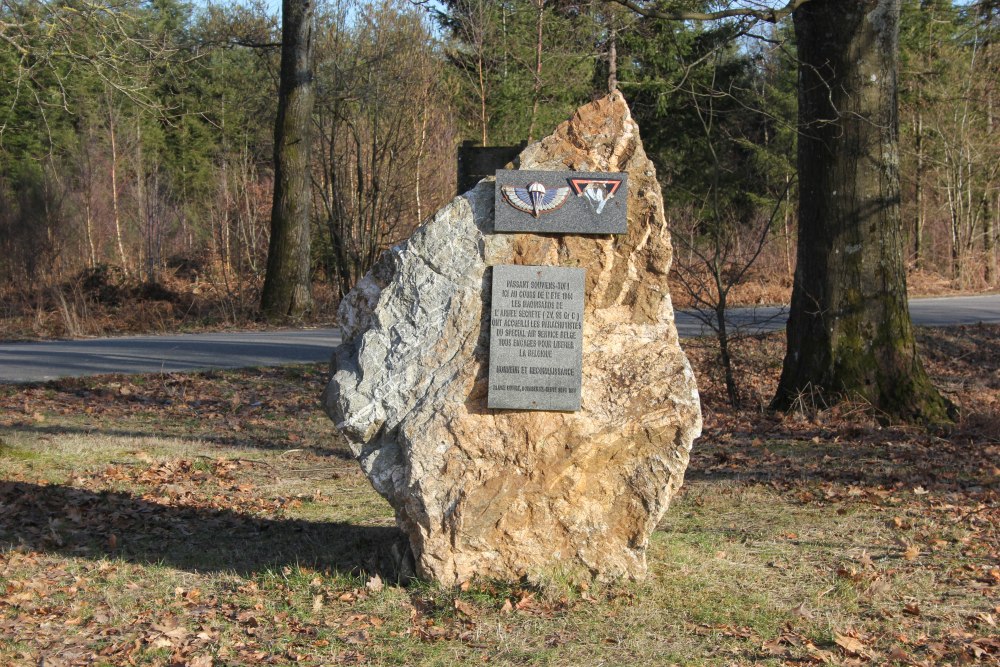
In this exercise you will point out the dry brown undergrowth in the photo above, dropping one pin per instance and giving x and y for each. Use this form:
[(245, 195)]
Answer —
[(772, 285), (102, 302)]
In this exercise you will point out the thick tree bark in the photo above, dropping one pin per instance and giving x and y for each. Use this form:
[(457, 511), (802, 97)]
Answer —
[(849, 331), (287, 291)]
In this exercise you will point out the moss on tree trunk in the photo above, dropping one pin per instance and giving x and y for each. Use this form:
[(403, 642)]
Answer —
[(849, 330)]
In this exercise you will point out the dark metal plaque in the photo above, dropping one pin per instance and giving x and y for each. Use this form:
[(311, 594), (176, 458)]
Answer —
[(536, 338), (573, 202)]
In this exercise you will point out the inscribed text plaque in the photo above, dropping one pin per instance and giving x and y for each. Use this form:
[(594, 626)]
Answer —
[(536, 338)]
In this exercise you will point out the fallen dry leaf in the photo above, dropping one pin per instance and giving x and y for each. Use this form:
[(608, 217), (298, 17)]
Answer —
[(899, 654), (465, 608), (879, 586), (375, 584), (850, 643), (358, 637), (817, 654), (986, 618), (800, 611), (776, 647), (526, 601)]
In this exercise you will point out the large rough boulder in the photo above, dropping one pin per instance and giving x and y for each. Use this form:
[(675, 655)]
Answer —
[(502, 493)]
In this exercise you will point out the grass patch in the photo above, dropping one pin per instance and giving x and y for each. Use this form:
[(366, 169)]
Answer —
[(8, 451), (219, 520)]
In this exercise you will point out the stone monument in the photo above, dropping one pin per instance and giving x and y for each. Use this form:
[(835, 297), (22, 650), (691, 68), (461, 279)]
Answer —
[(575, 473)]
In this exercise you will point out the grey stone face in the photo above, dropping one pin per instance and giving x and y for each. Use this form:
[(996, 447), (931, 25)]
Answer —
[(536, 338), (574, 202)]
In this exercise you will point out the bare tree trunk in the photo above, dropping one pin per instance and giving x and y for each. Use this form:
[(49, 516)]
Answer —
[(849, 330), (114, 187), (287, 292), (990, 210), (420, 156), (536, 92), (722, 335), (954, 203), (482, 96), (612, 58), (989, 243), (251, 230), (918, 232), (989, 226), (92, 256), (88, 205), (144, 207), (225, 242), (788, 227)]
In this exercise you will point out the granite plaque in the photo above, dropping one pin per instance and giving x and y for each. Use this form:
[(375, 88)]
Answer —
[(536, 338), (573, 202)]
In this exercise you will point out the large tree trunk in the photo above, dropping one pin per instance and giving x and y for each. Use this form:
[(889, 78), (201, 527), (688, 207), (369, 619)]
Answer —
[(286, 291), (849, 330)]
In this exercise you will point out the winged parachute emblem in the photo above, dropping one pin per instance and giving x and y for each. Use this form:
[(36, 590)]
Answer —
[(535, 199), (597, 191)]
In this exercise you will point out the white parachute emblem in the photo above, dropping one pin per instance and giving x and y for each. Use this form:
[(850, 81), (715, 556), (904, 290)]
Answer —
[(535, 199)]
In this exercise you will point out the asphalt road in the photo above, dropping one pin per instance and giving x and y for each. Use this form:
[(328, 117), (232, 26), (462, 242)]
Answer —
[(35, 362), (925, 312)]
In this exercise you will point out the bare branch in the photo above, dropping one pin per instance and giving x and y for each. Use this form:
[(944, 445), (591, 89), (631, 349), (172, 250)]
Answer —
[(767, 14)]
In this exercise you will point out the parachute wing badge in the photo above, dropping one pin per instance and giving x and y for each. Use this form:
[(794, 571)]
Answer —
[(597, 191), (535, 199)]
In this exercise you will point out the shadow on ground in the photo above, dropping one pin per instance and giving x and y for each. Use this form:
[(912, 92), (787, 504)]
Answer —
[(77, 522)]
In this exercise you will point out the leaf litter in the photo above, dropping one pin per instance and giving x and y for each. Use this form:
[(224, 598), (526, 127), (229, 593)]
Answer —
[(78, 586)]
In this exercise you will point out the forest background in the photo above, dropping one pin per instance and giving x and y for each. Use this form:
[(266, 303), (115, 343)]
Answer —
[(136, 144)]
